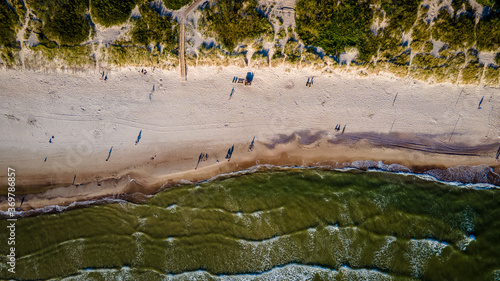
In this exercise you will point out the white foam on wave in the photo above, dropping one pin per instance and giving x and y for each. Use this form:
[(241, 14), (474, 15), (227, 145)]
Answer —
[(58, 208), (365, 165), (496, 275), (363, 274), (434, 179), (185, 182), (172, 208), (462, 244), (344, 236), (291, 272), (420, 251), (77, 247), (138, 236), (383, 256), (368, 165)]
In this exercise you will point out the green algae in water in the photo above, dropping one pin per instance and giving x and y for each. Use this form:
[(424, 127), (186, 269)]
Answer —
[(300, 224)]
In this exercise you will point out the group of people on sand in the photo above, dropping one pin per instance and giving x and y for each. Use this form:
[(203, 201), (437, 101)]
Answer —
[(104, 76), (202, 157), (309, 82), (229, 154), (337, 128)]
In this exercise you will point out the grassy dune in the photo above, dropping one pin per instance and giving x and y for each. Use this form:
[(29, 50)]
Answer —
[(404, 37)]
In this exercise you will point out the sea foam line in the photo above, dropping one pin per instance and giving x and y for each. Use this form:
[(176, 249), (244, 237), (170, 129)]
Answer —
[(292, 271), (251, 170), (60, 208)]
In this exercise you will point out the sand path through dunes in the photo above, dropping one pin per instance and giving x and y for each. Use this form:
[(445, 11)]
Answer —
[(88, 116), (182, 39)]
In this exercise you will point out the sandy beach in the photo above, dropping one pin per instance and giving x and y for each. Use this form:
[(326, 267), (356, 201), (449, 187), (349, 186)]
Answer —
[(59, 127)]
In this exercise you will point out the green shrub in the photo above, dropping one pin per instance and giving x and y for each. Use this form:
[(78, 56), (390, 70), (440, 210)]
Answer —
[(368, 48), (403, 59), (389, 46), (401, 13), (333, 27), (497, 59), (74, 56), (472, 73), (445, 52), (472, 56), (492, 76), (233, 21), (8, 22), (131, 55), (456, 32), (488, 32), (427, 61), (490, 3), (8, 55), (457, 60), (63, 20), (281, 33), (428, 46), (417, 45), (152, 28), (421, 32), (112, 12), (278, 54), (176, 4)]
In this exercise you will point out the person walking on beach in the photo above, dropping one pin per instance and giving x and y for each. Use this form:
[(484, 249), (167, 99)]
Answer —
[(229, 153), (250, 148), (199, 160), (231, 95), (138, 138), (109, 154)]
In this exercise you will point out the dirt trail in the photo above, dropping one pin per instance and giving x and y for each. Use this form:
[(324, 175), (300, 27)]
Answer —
[(182, 39)]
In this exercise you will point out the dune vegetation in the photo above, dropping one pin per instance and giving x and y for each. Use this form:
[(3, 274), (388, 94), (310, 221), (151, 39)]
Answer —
[(457, 42), (175, 4), (112, 12), (153, 29), (61, 21), (234, 21), (8, 21)]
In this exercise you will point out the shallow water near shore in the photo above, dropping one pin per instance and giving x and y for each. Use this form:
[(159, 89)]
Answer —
[(299, 224)]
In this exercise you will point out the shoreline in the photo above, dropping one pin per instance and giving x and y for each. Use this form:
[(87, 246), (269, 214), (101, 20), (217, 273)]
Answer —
[(133, 187), (138, 197), (60, 127)]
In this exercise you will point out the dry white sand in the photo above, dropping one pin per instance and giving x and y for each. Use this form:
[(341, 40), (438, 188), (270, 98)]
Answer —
[(87, 116)]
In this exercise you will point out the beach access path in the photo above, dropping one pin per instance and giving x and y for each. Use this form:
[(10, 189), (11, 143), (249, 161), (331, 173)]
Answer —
[(182, 39)]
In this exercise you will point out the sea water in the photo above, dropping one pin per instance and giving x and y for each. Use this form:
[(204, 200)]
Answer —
[(274, 225)]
